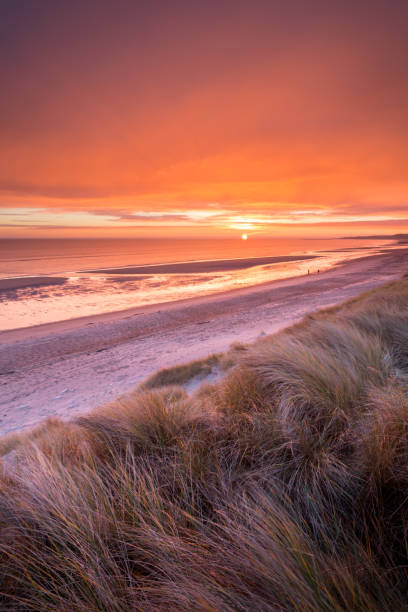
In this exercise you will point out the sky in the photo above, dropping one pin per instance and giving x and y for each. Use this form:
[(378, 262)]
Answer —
[(203, 118)]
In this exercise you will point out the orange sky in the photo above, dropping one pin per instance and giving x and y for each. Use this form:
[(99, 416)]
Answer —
[(203, 118)]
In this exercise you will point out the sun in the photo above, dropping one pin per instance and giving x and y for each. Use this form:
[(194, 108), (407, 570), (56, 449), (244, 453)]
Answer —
[(244, 236)]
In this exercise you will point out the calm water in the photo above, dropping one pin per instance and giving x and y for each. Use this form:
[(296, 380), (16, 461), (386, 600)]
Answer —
[(89, 294)]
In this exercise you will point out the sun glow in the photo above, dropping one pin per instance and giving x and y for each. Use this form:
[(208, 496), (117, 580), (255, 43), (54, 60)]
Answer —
[(244, 236)]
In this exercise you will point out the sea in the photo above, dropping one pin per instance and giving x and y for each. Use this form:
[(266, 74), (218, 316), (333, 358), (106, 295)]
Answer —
[(50, 280)]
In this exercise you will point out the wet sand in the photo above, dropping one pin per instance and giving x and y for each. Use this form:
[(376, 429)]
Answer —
[(24, 282), (196, 267), (67, 368)]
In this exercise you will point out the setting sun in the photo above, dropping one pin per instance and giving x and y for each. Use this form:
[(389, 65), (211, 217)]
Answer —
[(244, 236)]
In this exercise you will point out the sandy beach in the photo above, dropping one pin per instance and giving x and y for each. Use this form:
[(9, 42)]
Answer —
[(67, 368)]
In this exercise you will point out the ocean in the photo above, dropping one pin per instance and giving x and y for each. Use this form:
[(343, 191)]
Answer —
[(49, 280)]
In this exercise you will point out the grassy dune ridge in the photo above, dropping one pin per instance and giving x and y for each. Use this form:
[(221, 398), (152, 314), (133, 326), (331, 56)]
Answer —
[(282, 487)]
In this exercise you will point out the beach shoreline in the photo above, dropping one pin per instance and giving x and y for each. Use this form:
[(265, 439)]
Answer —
[(40, 298), (112, 316), (67, 368)]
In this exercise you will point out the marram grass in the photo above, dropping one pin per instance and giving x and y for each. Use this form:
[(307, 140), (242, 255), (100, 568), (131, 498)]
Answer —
[(282, 487)]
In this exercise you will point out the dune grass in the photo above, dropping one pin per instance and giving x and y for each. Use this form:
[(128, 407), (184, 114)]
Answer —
[(282, 487)]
